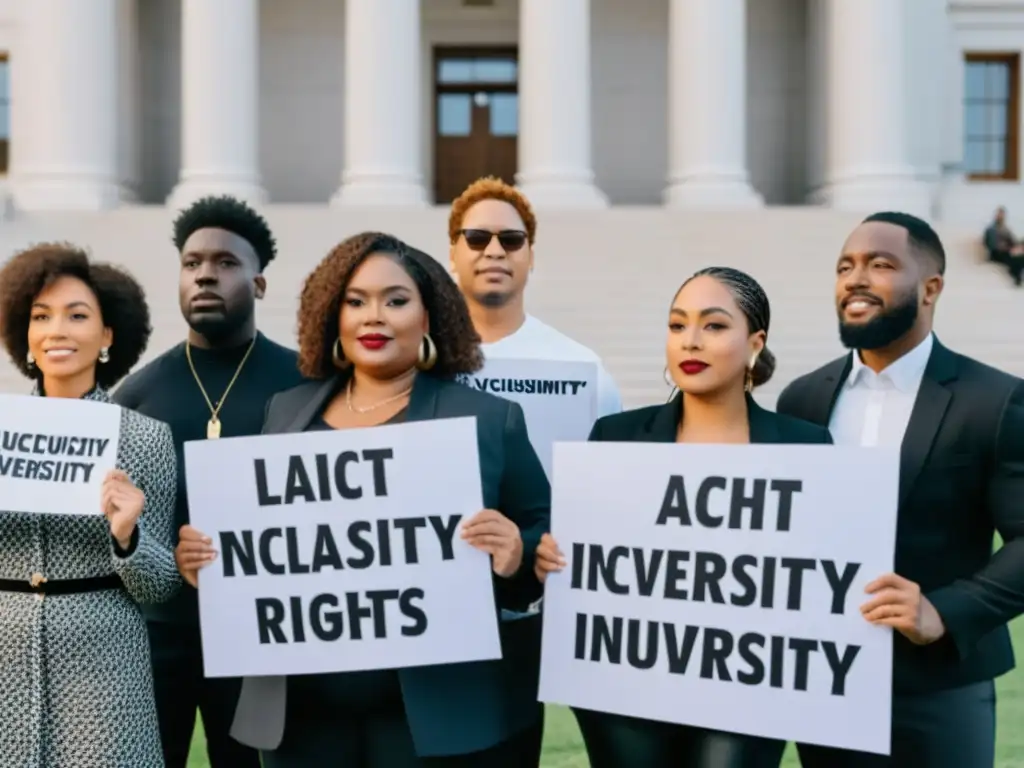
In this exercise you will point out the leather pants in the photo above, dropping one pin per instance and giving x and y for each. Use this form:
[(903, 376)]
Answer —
[(615, 741)]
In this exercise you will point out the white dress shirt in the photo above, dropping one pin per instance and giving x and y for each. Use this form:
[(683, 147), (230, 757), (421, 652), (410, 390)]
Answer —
[(873, 409)]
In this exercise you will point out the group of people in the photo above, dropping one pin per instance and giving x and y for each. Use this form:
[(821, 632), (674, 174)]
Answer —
[(100, 654)]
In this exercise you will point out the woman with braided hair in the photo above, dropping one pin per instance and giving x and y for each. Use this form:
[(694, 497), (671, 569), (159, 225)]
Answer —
[(716, 354)]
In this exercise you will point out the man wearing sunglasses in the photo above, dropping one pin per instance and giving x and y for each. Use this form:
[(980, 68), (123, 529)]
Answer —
[(491, 229)]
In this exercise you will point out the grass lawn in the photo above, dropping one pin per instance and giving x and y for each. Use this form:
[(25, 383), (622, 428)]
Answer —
[(564, 749)]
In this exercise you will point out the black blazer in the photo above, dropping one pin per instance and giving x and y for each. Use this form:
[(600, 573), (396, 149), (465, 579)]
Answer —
[(452, 708), (961, 479), (658, 424)]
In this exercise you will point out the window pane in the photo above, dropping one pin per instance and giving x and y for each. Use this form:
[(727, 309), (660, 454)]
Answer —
[(974, 80), (998, 85), (996, 158), (996, 125), (504, 114), (974, 120), (455, 71), (974, 157), (454, 114), (495, 71), (5, 92)]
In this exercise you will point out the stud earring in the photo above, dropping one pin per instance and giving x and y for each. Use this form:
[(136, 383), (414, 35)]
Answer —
[(30, 359), (105, 355)]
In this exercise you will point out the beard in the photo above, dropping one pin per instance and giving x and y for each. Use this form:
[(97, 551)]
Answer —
[(492, 299), (889, 325), (216, 328)]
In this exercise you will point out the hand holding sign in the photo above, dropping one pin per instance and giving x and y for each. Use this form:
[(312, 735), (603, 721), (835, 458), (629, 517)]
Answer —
[(122, 504), (192, 553), (549, 558), (898, 603), (492, 532)]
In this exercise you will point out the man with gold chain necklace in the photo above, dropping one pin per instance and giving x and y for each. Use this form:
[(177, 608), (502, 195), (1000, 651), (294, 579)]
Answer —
[(214, 384)]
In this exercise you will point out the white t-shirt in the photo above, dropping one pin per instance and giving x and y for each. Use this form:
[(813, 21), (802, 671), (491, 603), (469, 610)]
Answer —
[(539, 341)]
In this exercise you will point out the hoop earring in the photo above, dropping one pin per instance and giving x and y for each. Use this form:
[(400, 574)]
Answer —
[(668, 378), (428, 354), (30, 360), (338, 355), (105, 355)]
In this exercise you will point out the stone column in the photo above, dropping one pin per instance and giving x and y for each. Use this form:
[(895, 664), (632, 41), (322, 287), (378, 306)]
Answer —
[(868, 163), (65, 86), (708, 106), (382, 162), (555, 164), (220, 101)]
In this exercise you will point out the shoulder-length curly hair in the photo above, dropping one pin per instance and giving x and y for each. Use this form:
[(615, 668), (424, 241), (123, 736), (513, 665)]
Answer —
[(451, 329), (121, 299)]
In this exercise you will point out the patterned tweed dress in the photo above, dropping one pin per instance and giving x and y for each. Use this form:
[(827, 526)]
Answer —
[(76, 687)]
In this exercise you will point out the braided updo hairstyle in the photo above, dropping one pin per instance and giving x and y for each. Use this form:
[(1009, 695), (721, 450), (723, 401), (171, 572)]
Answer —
[(753, 303)]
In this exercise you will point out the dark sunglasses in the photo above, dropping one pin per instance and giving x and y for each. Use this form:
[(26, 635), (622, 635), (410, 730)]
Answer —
[(509, 239)]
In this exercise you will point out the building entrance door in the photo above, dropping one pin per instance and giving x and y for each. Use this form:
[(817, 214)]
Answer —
[(476, 117)]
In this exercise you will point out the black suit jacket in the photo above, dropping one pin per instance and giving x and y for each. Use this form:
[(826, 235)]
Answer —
[(658, 424), (961, 479), (452, 708)]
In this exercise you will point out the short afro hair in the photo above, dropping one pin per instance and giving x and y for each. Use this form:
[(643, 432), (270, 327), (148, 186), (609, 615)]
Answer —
[(122, 305), (451, 329), (491, 188), (922, 238), (231, 214)]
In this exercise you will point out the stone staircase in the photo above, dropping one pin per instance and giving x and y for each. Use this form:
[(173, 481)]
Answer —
[(605, 278)]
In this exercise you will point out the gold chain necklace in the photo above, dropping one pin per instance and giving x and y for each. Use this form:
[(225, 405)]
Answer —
[(375, 406), (213, 425)]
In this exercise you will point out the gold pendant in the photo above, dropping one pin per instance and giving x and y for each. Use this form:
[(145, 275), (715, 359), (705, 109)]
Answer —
[(213, 429)]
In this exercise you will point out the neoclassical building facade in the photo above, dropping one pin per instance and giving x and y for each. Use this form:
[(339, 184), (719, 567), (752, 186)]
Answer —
[(585, 103)]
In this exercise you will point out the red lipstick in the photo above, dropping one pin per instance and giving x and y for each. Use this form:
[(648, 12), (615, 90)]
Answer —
[(692, 367), (373, 340)]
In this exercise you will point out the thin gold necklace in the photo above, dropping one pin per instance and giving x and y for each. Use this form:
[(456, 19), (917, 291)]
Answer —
[(213, 425), (375, 406)]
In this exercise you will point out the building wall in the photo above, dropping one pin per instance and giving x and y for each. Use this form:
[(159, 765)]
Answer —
[(302, 93), (979, 26)]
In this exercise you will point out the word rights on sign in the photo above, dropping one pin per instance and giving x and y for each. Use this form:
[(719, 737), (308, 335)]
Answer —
[(341, 551), (55, 453), (720, 586)]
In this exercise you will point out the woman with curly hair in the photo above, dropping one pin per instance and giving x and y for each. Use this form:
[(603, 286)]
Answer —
[(384, 330), (74, 658)]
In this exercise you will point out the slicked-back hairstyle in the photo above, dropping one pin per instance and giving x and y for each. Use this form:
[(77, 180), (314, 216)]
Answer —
[(121, 299), (491, 188), (231, 214), (451, 329), (923, 240), (753, 303)]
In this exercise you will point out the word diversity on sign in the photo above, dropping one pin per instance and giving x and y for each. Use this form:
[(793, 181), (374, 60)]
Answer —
[(340, 551), (55, 453), (559, 399), (720, 586)]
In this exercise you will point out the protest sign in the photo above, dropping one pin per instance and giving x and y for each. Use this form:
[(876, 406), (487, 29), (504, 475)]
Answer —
[(341, 550), (720, 585), (559, 399), (55, 453)]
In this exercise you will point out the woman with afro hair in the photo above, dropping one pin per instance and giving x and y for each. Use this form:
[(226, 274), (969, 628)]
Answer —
[(74, 656)]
